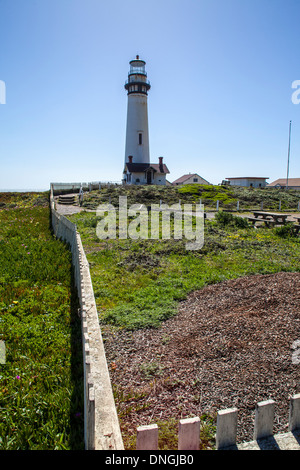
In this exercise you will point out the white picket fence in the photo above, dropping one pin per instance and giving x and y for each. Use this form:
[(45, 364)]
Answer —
[(101, 425), (226, 432)]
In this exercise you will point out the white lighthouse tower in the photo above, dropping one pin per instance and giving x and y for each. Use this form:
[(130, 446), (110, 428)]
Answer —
[(137, 133), (137, 168)]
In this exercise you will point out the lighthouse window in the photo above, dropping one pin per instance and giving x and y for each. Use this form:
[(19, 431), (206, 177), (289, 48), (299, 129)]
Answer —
[(140, 138)]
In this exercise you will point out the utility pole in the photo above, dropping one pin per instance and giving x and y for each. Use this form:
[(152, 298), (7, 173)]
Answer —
[(288, 163)]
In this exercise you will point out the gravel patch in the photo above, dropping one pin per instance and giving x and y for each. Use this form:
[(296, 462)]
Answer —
[(231, 344)]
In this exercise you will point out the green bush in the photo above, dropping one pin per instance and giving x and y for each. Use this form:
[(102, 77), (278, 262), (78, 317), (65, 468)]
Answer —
[(227, 219), (241, 222), (224, 218), (189, 189), (286, 231)]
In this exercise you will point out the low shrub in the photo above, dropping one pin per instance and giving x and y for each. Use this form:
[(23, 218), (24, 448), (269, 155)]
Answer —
[(226, 219), (286, 231)]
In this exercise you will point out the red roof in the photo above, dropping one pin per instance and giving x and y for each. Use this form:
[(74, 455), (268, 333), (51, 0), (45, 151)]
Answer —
[(282, 182), (186, 177)]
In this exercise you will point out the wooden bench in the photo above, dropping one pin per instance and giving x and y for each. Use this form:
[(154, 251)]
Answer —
[(267, 221), (297, 227), (274, 216)]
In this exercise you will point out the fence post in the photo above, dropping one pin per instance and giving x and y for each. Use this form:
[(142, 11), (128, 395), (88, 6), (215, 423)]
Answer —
[(226, 428), (264, 419), (217, 205), (261, 205), (147, 437), (91, 419), (294, 418), (279, 205), (238, 205), (299, 206), (189, 434)]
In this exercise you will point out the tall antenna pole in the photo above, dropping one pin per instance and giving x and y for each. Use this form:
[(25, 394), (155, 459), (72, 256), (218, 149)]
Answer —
[(288, 163)]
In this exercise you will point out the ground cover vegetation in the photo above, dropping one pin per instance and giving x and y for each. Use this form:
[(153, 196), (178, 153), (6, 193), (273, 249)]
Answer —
[(41, 378), (228, 196), (16, 200), (140, 283)]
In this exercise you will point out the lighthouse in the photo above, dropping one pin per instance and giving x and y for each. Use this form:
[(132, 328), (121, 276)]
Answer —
[(137, 168), (137, 133)]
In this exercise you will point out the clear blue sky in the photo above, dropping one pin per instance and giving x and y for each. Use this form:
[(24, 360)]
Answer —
[(220, 103)]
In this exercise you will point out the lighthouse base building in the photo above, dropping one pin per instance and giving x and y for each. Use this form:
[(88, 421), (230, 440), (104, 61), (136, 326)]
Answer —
[(145, 173), (137, 167)]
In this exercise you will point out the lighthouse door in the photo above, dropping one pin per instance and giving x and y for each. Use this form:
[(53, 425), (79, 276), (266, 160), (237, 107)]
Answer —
[(149, 177)]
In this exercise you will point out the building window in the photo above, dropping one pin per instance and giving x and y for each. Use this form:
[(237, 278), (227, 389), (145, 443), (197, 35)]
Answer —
[(195, 180), (140, 138)]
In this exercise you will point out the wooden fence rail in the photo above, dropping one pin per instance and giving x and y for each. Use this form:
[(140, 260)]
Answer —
[(226, 432)]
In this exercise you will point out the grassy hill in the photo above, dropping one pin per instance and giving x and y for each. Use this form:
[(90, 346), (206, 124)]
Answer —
[(249, 198)]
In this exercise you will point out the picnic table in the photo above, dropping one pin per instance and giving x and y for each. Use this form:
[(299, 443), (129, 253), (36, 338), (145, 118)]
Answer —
[(269, 218), (297, 226)]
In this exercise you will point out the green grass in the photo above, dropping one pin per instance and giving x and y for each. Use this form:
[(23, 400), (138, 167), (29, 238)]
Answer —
[(41, 380), (18, 200), (138, 283), (209, 193)]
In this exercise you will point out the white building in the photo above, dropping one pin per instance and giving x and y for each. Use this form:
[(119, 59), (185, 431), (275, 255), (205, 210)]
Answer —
[(248, 182), (292, 183), (191, 178), (137, 166), (145, 173)]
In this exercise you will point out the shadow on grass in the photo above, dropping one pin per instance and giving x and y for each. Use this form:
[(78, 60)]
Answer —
[(77, 405), (77, 396)]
